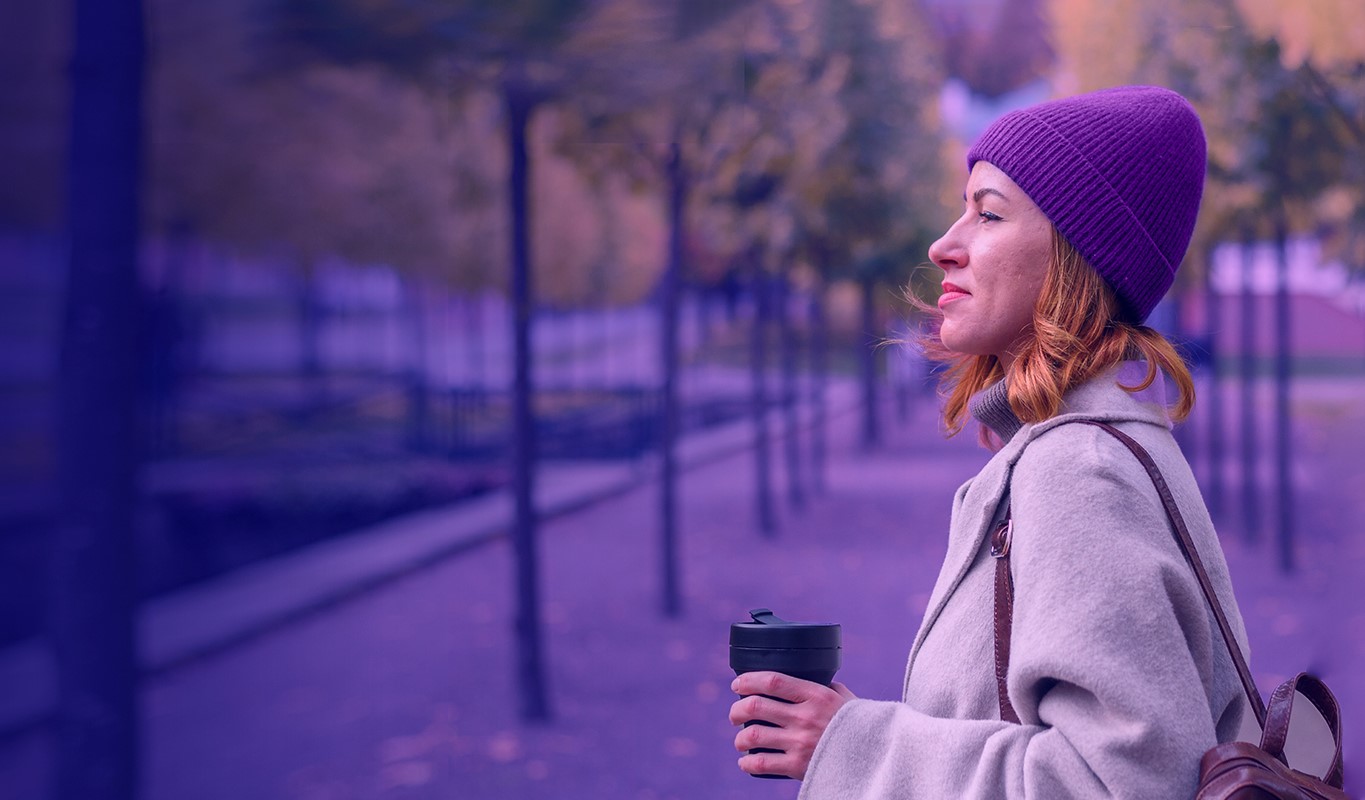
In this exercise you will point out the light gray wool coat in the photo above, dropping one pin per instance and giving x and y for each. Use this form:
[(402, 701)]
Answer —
[(1117, 669)]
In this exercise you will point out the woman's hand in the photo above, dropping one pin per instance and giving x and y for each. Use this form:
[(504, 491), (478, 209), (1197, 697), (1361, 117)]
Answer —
[(801, 721)]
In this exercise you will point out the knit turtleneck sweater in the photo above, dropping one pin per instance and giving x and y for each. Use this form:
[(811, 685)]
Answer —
[(991, 407)]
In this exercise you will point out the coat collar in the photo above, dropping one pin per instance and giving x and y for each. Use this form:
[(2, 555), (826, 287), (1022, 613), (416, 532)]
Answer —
[(977, 502)]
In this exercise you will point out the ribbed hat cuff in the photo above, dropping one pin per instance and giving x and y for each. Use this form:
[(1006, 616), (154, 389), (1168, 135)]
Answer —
[(1102, 227)]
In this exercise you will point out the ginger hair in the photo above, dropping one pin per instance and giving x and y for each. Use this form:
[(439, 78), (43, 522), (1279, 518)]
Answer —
[(1078, 331)]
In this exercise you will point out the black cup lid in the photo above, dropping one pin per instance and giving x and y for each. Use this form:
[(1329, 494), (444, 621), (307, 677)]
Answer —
[(767, 630)]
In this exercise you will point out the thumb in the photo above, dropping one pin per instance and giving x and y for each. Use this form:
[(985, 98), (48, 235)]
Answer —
[(843, 691)]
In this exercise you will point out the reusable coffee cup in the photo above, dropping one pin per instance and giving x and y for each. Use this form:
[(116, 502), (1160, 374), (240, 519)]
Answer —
[(807, 650)]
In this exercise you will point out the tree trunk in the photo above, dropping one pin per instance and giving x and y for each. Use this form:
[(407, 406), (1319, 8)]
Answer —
[(668, 407), (868, 355), (93, 589), (535, 703), (1186, 438), (1213, 318), (758, 358), (819, 357), (1283, 422), (1250, 501), (791, 444)]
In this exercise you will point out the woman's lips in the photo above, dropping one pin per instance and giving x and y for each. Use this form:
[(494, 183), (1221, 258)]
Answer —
[(951, 293)]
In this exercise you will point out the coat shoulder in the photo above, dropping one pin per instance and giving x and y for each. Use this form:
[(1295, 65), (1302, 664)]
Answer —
[(1065, 450)]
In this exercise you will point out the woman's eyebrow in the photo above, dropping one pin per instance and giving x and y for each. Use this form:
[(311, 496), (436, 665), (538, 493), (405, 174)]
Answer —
[(985, 190)]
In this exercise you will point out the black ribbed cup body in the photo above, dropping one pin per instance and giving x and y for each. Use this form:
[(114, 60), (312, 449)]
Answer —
[(810, 651)]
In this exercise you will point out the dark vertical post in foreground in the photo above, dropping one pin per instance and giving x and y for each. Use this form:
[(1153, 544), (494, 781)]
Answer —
[(93, 589), (530, 661), (1250, 511), (1213, 318), (668, 411), (1283, 422), (758, 356)]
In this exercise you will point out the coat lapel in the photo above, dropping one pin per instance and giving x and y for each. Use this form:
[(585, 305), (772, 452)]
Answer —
[(974, 509), (976, 502)]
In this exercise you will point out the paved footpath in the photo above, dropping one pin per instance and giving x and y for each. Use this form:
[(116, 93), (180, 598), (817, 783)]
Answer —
[(408, 691)]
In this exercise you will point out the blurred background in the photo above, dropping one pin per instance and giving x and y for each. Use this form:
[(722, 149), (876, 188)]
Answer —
[(399, 399)]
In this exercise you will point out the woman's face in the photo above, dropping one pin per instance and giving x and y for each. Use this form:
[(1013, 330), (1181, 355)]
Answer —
[(994, 259)]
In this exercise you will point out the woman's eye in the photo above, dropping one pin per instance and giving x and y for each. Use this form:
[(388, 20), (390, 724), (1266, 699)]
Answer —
[(987, 216)]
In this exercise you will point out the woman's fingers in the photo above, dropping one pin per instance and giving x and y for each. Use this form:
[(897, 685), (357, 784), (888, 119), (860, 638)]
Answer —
[(762, 736), (756, 707), (797, 711), (772, 764), (794, 751), (775, 684)]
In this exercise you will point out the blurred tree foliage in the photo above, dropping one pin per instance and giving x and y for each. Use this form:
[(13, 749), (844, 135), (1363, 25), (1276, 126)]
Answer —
[(372, 132), (1326, 34), (33, 107), (829, 152), (594, 237), (873, 204), (650, 77), (993, 48), (266, 145), (1277, 84)]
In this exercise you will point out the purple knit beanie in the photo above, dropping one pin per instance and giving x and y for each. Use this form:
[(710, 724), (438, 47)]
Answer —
[(1118, 171)]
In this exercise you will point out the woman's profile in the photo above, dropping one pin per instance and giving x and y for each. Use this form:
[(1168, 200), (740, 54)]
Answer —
[(1077, 213)]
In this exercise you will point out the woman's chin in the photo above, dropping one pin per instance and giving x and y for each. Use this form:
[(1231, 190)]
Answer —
[(955, 342)]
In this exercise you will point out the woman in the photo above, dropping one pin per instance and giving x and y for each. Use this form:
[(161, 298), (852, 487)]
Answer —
[(1078, 212)]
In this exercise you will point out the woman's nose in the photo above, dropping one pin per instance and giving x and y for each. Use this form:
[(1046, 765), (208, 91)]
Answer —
[(948, 252)]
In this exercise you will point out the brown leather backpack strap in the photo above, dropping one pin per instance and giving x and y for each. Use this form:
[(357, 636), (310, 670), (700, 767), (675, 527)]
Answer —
[(1186, 543), (1282, 704), (1004, 613), (1004, 588)]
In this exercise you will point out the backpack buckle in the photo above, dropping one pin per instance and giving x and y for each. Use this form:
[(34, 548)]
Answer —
[(1001, 537)]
